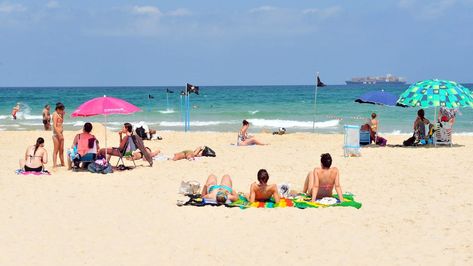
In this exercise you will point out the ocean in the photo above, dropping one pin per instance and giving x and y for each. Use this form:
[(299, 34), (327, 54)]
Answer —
[(222, 108)]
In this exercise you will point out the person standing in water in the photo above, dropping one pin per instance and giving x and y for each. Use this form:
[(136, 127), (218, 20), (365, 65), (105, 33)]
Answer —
[(47, 117), (15, 110), (58, 137)]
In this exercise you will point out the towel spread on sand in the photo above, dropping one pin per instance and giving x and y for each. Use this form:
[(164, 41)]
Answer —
[(23, 172), (302, 201)]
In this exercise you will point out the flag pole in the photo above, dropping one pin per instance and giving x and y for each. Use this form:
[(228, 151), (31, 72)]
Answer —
[(315, 102), (189, 112)]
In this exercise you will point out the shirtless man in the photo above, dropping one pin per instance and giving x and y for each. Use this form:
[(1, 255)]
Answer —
[(262, 191), (15, 110), (47, 117), (221, 193), (320, 182)]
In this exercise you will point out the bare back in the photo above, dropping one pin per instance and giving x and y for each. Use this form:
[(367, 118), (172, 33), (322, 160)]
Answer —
[(326, 180), (35, 159), (259, 192)]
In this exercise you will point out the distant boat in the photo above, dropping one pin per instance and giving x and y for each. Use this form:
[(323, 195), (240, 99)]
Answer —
[(370, 80), (320, 83)]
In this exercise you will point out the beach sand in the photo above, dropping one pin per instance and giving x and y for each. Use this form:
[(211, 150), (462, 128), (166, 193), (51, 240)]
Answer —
[(417, 207)]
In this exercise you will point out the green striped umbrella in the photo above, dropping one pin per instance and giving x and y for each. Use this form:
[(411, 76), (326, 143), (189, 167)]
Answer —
[(434, 93)]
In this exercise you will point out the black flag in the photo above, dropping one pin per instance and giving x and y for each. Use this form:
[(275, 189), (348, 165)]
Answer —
[(169, 91), (192, 89), (320, 83)]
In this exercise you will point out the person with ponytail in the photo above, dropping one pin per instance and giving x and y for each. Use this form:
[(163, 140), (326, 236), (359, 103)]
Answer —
[(262, 191), (36, 157)]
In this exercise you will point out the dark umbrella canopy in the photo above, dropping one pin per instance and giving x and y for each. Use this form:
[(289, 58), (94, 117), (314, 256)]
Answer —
[(379, 97)]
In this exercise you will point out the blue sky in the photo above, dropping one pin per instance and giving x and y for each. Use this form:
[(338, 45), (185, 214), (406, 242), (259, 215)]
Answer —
[(107, 43)]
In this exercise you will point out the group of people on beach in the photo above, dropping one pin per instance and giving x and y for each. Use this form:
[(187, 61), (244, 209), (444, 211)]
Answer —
[(319, 183)]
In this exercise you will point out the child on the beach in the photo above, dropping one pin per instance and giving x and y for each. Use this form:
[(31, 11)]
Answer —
[(320, 182)]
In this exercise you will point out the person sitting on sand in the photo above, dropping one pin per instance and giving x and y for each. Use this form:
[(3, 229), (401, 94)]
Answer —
[(15, 110), (87, 146), (320, 182), (36, 157), (221, 193), (188, 154), (262, 191), (137, 155), (419, 125), (244, 139), (124, 134)]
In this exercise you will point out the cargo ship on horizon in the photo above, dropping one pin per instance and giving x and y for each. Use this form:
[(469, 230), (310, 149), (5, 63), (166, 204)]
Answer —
[(371, 80)]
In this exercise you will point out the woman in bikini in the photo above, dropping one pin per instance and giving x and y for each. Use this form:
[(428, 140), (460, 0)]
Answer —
[(221, 193), (36, 157), (58, 137), (244, 139), (320, 182), (262, 191), (188, 154)]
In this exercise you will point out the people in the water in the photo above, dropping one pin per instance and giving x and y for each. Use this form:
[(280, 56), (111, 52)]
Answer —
[(15, 110), (47, 117)]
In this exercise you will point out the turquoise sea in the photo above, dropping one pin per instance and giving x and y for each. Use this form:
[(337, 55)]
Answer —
[(222, 108)]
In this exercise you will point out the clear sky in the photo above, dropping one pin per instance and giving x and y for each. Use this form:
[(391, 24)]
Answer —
[(117, 42)]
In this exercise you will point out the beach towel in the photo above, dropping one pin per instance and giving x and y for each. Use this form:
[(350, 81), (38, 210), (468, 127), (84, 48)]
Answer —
[(303, 201), (23, 172)]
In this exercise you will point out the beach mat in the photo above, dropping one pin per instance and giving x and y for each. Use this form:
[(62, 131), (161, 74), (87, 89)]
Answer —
[(23, 172), (302, 202)]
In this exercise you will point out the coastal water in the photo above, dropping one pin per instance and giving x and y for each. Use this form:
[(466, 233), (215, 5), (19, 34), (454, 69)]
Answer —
[(221, 108)]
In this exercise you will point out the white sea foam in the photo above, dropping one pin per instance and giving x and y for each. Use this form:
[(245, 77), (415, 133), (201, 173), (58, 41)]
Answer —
[(292, 123), (253, 112), (78, 124), (4, 116), (167, 111), (197, 123)]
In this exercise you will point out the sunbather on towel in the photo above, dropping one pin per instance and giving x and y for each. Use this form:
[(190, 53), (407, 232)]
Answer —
[(36, 157), (221, 193), (262, 191), (137, 155), (320, 182), (124, 134), (188, 154)]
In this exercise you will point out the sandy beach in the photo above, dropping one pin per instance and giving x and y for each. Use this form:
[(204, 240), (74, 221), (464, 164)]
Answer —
[(417, 208)]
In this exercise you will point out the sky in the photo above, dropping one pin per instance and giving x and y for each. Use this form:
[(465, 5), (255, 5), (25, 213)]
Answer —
[(215, 42)]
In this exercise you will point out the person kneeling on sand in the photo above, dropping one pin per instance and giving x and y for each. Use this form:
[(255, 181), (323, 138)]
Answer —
[(221, 193), (188, 154), (36, 157), (262, 191), (320, 182)]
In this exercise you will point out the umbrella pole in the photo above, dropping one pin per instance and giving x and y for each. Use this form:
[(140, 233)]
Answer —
[(105, 136), (315, 103)]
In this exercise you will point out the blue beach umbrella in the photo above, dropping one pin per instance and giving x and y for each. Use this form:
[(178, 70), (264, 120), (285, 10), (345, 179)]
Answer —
[(379, 97)]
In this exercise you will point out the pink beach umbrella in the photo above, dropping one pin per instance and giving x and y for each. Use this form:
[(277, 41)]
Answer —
[(105, 106)]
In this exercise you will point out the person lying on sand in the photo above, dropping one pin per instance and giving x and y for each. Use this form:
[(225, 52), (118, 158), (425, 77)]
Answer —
[(320, 182), (36, 157), (244, 139), (262, 191), (188, 154), (221, 193), (137, 155)]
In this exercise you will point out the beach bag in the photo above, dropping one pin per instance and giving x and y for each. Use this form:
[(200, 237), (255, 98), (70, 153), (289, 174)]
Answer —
[(208, 152), (141, 133), (100, 166), (189, 187), (410, 141)]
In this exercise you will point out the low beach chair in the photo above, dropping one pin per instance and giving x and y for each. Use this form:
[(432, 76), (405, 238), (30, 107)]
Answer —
[(365, 135), (443, 134), (351, 143), (127, 151)]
